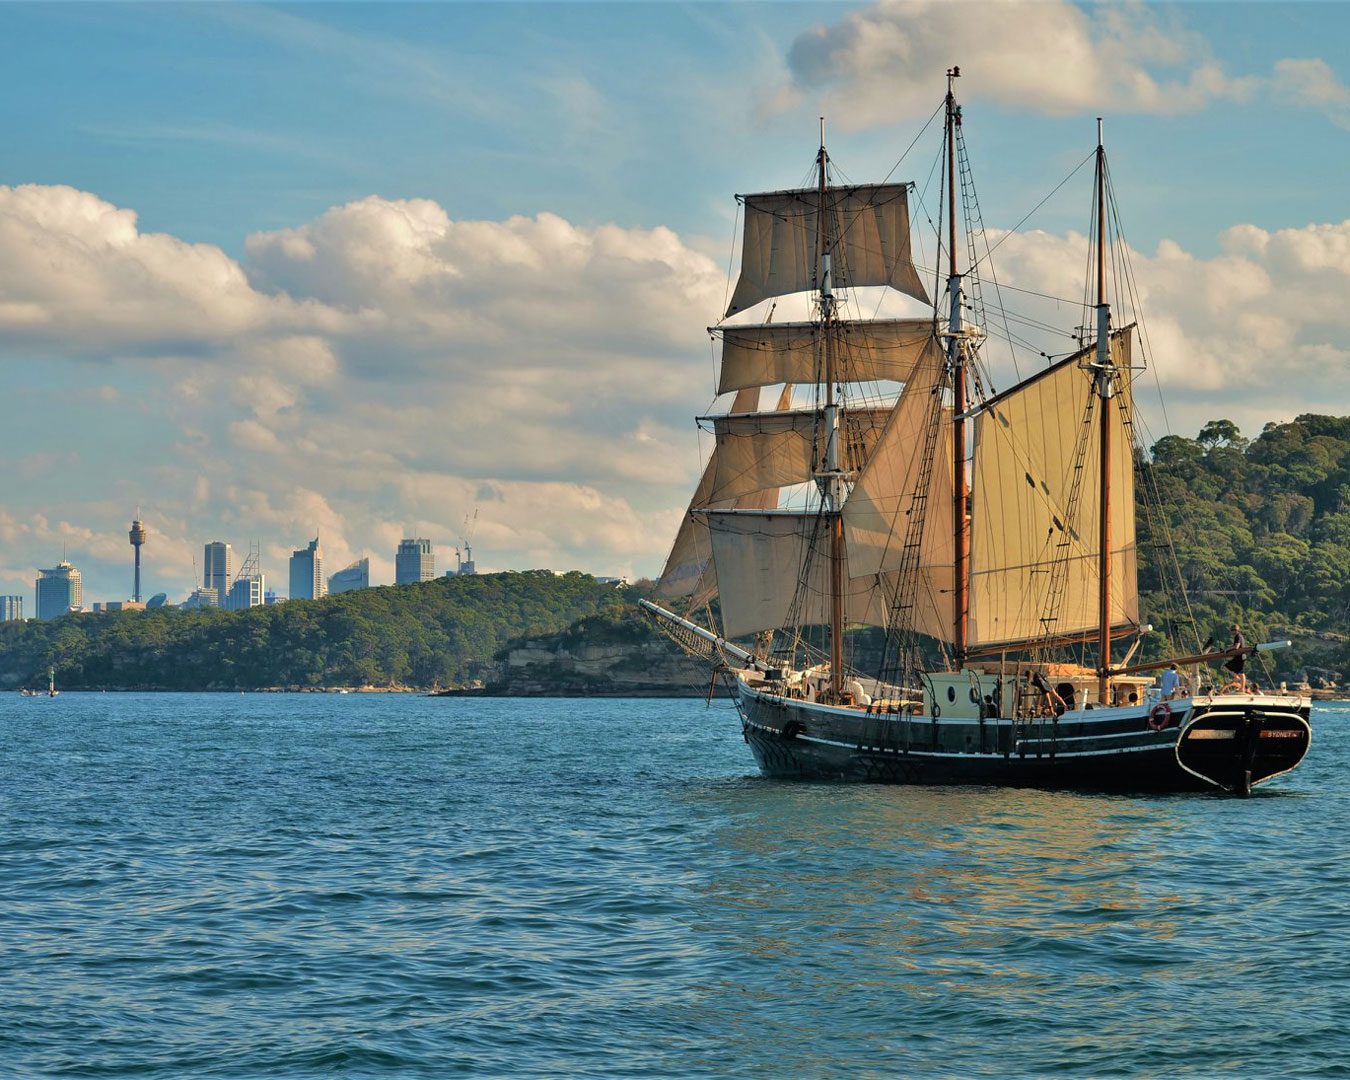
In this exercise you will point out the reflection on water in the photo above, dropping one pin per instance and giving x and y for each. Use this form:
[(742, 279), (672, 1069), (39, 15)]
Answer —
[(259, 885), (912, 925)]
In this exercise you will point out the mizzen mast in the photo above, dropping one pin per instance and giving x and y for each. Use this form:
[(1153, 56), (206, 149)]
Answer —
[(1105, 369), (956, 362)]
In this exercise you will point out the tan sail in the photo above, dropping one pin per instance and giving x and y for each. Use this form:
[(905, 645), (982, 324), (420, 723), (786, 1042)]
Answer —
[(760, 560), (885, 499), (779, 254), (756, 451), (689, 570), (1028, 449), (790, 352)]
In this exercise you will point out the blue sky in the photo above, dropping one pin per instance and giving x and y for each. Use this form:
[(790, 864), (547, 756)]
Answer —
[(637, 113), (359, 268)]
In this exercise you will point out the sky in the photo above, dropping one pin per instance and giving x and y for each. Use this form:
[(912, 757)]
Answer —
[(362, 270)]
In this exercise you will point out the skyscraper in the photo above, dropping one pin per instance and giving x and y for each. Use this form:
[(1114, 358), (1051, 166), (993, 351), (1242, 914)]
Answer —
[(58, 590), (11, 607), (351, 578), (414, 562), (218, 568), (307, 580), (246, 592)]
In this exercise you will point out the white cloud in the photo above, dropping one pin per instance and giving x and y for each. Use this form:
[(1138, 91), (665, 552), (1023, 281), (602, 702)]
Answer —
[(1258, 332), (79, 276), (375, 371), (883, 62)]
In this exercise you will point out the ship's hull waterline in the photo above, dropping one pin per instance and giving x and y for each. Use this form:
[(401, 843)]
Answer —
[(1227, 743)]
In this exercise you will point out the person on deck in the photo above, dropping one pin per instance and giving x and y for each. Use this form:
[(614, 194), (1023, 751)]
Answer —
[(1238, 663), (1171, 680), (1051, 702)]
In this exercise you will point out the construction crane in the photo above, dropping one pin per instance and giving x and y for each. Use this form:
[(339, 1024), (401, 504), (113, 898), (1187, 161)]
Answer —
[(466, 565)]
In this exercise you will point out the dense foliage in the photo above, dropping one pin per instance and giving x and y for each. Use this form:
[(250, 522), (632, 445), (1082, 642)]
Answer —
[(437, 632), (1261, 534)]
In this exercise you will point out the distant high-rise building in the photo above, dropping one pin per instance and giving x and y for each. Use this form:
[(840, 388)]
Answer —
[(201, 598), (307, 580), (249, 589), (11, 607), (414, 562), (218, 568), (59, 590), (246, 592), (351, 578)]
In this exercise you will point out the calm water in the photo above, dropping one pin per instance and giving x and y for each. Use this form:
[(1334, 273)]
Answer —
[(303, 885)]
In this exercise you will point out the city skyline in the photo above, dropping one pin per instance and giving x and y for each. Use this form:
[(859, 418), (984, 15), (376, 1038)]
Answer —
[(220, 578), (435, 287)]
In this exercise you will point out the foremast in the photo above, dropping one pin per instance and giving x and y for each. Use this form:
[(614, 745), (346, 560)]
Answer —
[(775, 565), (830, 481)]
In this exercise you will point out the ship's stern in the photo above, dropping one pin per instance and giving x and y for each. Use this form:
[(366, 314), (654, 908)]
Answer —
[(1236, 741)]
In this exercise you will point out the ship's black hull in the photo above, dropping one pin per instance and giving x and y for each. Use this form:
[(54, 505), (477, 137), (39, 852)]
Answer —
[(1231, 743)]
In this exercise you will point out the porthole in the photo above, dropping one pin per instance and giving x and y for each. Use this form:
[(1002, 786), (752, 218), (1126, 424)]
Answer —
[(951, 693)]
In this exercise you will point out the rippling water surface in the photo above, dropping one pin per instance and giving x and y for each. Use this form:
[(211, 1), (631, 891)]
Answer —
[(302, 885)]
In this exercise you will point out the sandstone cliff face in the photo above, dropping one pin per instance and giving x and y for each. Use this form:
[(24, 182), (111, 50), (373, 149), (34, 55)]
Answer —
[(569, 665)]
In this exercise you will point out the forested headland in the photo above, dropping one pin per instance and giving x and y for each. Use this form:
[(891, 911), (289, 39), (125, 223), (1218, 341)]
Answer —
[(443, 632), (1261, 534), (1255, 531)]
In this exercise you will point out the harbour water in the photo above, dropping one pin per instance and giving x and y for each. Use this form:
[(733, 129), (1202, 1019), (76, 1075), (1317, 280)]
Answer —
[(397, 886)]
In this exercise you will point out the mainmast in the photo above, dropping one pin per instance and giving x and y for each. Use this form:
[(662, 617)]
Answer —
[(830, 489), (956, 361), (1105, 389)]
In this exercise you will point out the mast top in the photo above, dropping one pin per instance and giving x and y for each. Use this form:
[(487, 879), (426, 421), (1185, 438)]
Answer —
[(1099, 133)]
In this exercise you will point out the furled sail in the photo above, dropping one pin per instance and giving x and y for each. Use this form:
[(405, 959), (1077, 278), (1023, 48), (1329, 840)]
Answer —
[(791, 352), (689, 570), (1033, 541), (895, 518), (870, 230), (778, 449), (761, 560)]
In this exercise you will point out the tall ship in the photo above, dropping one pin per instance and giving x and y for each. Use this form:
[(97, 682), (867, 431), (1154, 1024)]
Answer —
[(907, 576)]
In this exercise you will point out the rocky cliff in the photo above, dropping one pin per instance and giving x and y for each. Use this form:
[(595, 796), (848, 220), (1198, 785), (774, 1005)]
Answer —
[(596, 658)]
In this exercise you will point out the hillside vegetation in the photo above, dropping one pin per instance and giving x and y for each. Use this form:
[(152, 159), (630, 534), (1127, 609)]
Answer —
[(1260, 529), (1261, 532), (436, 632)]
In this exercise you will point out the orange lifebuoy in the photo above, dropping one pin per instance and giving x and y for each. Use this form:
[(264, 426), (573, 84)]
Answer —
[(1160, 716)]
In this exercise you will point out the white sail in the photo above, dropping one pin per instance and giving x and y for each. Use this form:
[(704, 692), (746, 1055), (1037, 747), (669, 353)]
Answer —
[(870, 225), (778, 449), (888, 498), (1033, 564), (688, 570), (761, 560), (791, 352)]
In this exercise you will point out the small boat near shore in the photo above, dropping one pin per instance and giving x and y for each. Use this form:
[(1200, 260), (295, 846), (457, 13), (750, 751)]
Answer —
[(993, 530)]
